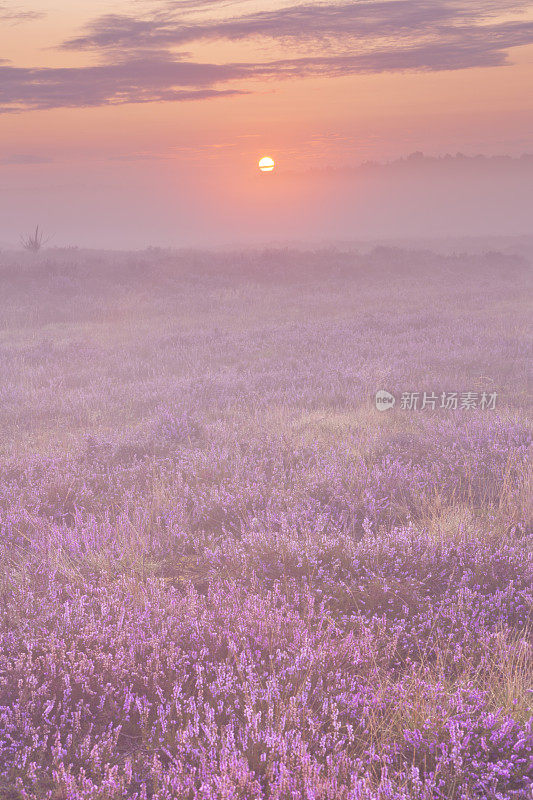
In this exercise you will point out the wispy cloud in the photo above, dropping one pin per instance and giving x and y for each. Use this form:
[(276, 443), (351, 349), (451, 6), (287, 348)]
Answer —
[(10, 14), (134, 81), (141, 64), (299, 23), (344, 22), (25, 158), (164, 78)]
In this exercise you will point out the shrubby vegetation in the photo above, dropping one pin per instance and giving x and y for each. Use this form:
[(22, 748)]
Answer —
[(226, 574)]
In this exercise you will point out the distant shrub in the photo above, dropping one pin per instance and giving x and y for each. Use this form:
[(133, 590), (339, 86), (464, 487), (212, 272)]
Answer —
[(34, 241)]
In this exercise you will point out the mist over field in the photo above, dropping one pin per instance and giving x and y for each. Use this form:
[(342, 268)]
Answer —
[(266, 290), (226, 572), (134, 202)]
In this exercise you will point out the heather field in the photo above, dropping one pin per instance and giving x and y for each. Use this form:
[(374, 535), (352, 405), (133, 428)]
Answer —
[(225, 573)]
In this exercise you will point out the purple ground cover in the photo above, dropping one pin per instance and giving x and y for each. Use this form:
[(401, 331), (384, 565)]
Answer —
[(225, 573)]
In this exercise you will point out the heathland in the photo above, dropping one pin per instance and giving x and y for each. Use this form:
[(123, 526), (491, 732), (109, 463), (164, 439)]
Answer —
[(225, 573)]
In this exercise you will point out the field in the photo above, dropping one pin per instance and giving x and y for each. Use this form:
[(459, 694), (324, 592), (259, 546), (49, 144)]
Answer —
[(225, 573)]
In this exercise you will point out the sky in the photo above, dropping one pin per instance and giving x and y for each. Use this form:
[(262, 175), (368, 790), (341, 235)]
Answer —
[(144, 125)]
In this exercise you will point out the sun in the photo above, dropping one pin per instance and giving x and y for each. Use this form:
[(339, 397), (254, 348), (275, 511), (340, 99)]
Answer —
[(266, 164)]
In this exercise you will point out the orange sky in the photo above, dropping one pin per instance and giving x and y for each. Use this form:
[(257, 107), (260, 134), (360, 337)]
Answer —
[(329, 116)]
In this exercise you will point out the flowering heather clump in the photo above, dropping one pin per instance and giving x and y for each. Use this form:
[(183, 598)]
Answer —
[(226, 574), (163, 692), (180, 428)]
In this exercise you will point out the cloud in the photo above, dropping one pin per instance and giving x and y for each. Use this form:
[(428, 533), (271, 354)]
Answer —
[(25, 158), (344, 22), (140, 64), (193, 6), (295, 22), (162, 77), (135, 81), (7, 14)]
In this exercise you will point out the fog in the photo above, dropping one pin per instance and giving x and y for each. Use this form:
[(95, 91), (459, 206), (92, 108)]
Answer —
[(134, 205)]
